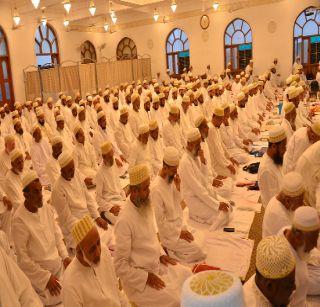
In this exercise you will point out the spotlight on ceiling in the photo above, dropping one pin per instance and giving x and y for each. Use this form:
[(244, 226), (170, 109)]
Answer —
[(155, 15)]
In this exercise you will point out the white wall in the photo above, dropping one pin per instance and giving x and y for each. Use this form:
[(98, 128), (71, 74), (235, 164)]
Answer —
[(266, 45)]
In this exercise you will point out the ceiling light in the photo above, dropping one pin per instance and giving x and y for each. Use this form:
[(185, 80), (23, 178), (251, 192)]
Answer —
[(67, 6), (114, 18), (155, 15), (66, 22), (44, 20), (92, 8), (35, 3), (106, 27), (173, 6), (215, 5), (16, 17)]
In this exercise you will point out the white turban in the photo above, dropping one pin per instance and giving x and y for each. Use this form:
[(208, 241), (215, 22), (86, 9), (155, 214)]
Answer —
[(171, 156), (138, 174), (306, 218), (292, 184), (193, 134), (65, 158), (277, 134), (28, 178)]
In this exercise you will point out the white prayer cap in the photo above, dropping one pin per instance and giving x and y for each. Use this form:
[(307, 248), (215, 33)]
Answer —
[(153, 125), (15, 121), (143, 128), (186, 98), (161, 95), (238, 76), (171, 156), (89, 98), (105, 93), (28, 103), (197, 82), (228, 70), (156, 85), (56, 139), (82, 102), (76, 129), (232, 107), (14, 113), (218, 112), (198, 94), (289, 80), (174, 109), (293, 92), (8, 138), (124, 110), (199, 120), (292, 184), (146, 99), (251, 61), (106, 147), (224, 105), (28, 178), (81, 109), (34, 128), (277, 134), (100, 115), (65, 158), (193, 134), (189, 86), (134, 96), (174, 90), (39, 112), (138, 174), (38, 99), (81, 228), (60, 93), (17, 104), (315, 127), (115, 99), (306, 218), (16, 153), (288, 107), (260, 82), (63, 96), (155, 98), (274, 259), (50, 99), (59, 118)]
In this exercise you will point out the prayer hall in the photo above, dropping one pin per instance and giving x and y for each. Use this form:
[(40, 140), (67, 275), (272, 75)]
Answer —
[(160, 153)]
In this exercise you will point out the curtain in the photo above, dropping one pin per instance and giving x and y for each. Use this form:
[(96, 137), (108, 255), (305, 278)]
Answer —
[(141, 69), (103, 74), (69, 78), (50, 83), (32, 85), (87, 74)]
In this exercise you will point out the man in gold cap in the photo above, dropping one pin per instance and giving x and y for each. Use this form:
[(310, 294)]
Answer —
[(90, 279), (270, 170), (274, 281), (145, 270), (288, 122)]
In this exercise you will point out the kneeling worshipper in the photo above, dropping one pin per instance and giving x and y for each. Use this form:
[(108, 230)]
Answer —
[(71, 198), (109, 194), (308, 166), (274, 281), (52, 167), (288, 122), (38, 243), (149, 277), (204, 204), (281, 207), (90, 279), (300, 141), (156, 147), (302, 237), (270, 170), (64, 132), (16, 289), (5, 215), (166, 199), (5, 161)]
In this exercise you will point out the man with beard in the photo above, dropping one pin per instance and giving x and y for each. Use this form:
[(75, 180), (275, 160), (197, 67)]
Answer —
[(280, 210), (148, 275), (45, 128), (90, 279), (22, 138), (72, 200), (123, 133), (135, 118), (288, 122), (156, 147), (109, 194), (40, 250), (52, 167), (205, 206), (145, 112), (270, 169), (166, 199), (303, 236)]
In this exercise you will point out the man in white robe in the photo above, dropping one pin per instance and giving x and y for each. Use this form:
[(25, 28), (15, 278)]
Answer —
[(300, 141), (149, 277), (44, 126), (270, 170), (186, 121), (109, 194), (64, 132), (113, 114), (156, 147), (5, 162), (71, 199), (52, 167), (204, 204), (135, 117), (22, 138), (288, 122), (166, 199), (40, 250)]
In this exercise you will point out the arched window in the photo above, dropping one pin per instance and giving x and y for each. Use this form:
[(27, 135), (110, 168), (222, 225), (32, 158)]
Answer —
[(6, 88), (306, 43), (178, 54), (46, 46), (238, 44), (88, 53), (127, 49)]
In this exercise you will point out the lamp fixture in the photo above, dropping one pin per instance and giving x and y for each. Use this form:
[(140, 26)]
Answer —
[(173, 6), (44, 20), (66, 22), (106, 27), (155, 15), (114, 18), (92, 8), (16, 17), (35, 3), (215, 5), (67, 6)]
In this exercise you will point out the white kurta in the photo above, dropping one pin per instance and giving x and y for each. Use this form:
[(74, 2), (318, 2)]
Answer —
[(140, 153), (166, 200), (172, 136), (23, 141), (85, 159), (92, 287), (5, 164), (138, 252), (269, 179), (13, 188), (253, 297), (16, 289), (156, 154), (108, 191), (297, 145), (53, 170), (285, 124), (135, 120), (39, 248), (124, 138)]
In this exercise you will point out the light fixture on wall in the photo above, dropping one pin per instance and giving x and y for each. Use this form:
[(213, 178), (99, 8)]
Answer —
[(35, 3), (114, 19), (16, 17), (106, 27), (92, 8), (66, 22), (173, 6), (43, 18), (155, 15), (215, 5), (67, 6)]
